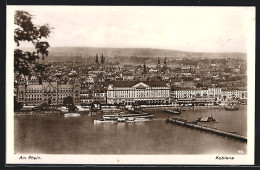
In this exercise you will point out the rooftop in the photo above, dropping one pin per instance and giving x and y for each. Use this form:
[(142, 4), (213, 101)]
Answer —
[(132, 83)]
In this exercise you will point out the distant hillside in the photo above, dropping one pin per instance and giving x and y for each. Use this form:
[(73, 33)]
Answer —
[(66, 53), (142, 52)]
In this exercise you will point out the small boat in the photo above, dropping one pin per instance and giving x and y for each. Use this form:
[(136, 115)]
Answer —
[(72, 114), (105, 120), (64, 109), (206, 119), (177, 111), (141, 119), (146, 115), (83, 108), (243, 101), (120, 119), (232, 106), (130, 119)]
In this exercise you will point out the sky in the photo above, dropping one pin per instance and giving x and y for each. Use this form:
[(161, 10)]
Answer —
[(194, 29)]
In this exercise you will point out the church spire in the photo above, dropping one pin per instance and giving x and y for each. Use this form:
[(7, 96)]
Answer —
[(102, 59), (144, 68), (158, 63), (96, 59), (165, 64)]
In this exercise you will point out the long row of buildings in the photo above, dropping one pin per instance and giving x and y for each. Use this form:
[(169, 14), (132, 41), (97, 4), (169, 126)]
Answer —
[(32, 92)]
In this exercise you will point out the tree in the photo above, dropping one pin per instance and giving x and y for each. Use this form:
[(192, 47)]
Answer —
[(49, 101), (43, 106), (25, 30), (68, 101), (199, 85), (72, 108), (17, 105)]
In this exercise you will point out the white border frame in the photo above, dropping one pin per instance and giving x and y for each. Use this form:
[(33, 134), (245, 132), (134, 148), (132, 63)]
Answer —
[(12, 158)]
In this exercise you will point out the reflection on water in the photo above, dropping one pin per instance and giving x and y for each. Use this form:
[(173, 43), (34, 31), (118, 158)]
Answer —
[(79, 135)]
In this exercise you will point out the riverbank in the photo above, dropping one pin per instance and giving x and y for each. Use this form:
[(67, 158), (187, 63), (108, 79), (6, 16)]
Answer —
[(184, 108), (114, 110), (43, 113)]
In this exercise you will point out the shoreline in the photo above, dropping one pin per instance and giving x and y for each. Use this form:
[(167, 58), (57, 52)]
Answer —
[(32, 113), (182, 108)]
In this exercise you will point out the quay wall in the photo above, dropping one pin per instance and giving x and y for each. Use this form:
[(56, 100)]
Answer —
[(184, 107), (54, 112)]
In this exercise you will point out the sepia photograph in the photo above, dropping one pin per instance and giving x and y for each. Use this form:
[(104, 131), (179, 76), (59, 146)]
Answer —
[(130, 85)]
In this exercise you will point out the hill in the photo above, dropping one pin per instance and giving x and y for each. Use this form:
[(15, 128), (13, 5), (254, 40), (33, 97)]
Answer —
[(68, 53)]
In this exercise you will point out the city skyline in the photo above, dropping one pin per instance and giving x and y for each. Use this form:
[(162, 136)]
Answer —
[(142, 27)]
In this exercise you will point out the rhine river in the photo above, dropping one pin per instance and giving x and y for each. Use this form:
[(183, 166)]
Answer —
[(79, 135)]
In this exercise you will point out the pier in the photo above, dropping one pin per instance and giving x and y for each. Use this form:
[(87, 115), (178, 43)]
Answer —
[(191, 125)]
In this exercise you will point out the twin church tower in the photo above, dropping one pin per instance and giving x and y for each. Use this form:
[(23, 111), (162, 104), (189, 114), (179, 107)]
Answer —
[(100, 64), (159, 64)]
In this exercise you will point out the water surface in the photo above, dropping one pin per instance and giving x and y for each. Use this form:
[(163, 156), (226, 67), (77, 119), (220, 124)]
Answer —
[(79, 135)]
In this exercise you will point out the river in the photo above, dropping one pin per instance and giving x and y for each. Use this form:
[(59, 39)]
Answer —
[(80, 135)]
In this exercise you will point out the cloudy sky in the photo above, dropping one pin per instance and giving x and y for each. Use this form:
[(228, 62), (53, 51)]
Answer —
[(196, 29)]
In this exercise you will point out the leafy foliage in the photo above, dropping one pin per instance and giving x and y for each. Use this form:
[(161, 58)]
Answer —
[(26, 30), (17, 105), (72, 108), (49, 101), (68, 101)]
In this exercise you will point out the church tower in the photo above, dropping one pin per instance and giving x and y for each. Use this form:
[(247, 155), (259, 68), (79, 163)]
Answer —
[(158, 63), (144, 67), (165, 64), (102, 61), (96, 61), (144, 74)]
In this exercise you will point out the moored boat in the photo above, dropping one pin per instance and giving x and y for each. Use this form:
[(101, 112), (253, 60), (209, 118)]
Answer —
[(177, 111), (105, 120), (145, 115), (72, 114), (232, 106), (120, 117), (64, 109), (130, 119), (141, 119), (206, 119)]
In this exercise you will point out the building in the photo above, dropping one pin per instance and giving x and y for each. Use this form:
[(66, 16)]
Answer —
[(99, 94), (51, 92), (243, 94), (231, 94), (89, 80), (129, 92), (30, 94), (224, 95), (197, 96), (33, 80), (128, 76), (86, 96)]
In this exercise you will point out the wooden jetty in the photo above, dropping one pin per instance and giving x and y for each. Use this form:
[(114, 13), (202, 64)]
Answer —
[(191, 125)]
